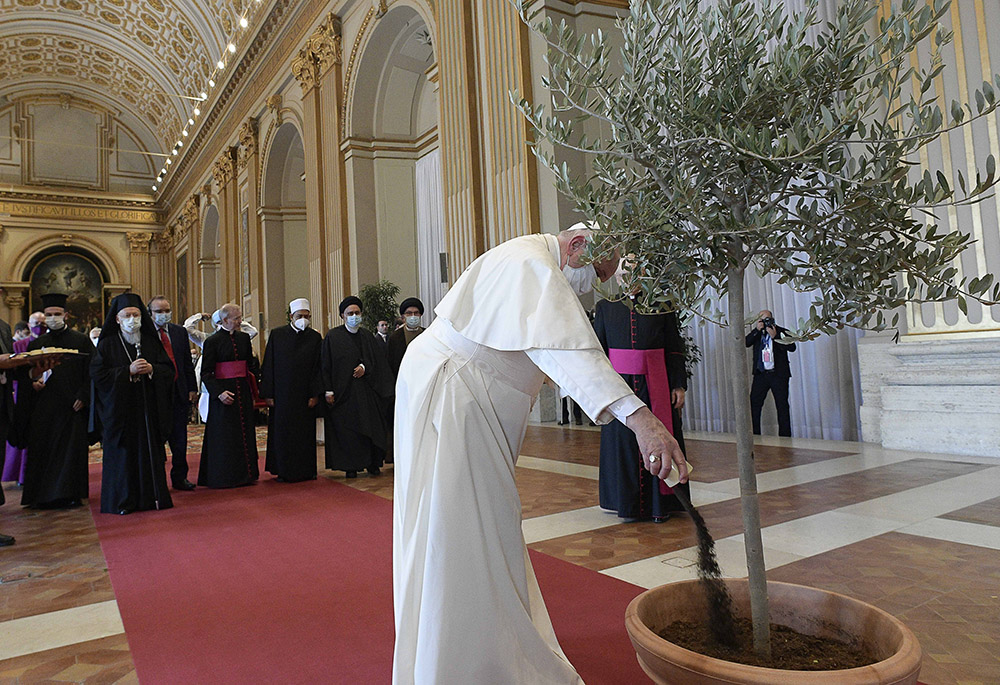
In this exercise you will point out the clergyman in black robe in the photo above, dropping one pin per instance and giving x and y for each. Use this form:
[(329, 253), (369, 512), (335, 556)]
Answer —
[(354, 383), (229, 453), (625, 486), (292, 386), (53, 416), (133, 382)]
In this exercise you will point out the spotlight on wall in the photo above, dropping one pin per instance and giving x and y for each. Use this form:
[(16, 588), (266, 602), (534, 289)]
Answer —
[(203, 94), (231, 47), (190, 123), (170, 161), (220, 64), (211, 83), (197, 111), (243, 22), (184, 133), (154, 187)]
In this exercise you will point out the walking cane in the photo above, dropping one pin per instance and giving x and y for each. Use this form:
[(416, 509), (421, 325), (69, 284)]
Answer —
[(149, 435)]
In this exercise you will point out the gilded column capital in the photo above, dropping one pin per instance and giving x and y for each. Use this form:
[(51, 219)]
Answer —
[(14, 300), (138, 241), (248, 142), (323, 50), (189, 216), (224, 168), (164, 239), (273, 103)]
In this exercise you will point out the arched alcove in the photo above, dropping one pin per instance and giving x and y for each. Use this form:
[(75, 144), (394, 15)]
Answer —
[(392, 159), (208, 263), (283, 223)]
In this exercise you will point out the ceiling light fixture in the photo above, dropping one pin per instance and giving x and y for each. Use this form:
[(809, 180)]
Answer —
[(170, 161), (243, 22), (220, 64), (231, 47), (154, 187), (197, 111), (211, 84), (204, 95), (190, 123)]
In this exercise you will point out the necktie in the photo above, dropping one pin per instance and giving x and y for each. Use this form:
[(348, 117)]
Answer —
[(165, 339)]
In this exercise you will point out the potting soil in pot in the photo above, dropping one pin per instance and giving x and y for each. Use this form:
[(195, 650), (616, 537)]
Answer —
[(727, 637), (789, 649)]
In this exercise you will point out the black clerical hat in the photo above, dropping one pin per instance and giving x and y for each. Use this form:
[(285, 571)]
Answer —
[(119, 303), (411, 302), (348, 301), (54, 300)]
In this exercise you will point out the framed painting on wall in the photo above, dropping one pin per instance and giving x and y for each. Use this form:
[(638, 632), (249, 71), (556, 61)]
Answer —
[(182, 285), (76, 276), (245, 251)]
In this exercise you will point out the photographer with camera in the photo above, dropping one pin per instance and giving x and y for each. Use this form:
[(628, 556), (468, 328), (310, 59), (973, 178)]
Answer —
[(770, 371)]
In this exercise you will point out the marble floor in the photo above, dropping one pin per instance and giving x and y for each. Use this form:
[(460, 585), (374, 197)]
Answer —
[(917, 534)]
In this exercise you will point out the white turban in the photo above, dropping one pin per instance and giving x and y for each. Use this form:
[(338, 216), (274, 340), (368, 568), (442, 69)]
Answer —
[(300, 303)]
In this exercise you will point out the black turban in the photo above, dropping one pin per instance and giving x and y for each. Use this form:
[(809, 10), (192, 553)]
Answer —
[(348, 301), (54, 300), (411, 302)]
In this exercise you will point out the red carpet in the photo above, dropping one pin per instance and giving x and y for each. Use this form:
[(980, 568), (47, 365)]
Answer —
[(292, 583)]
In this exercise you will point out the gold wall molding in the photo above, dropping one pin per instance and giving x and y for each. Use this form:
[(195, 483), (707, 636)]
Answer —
[(349, 72), (224, 168), (46, 197), (15, 269), (41, 210), (323, 50)]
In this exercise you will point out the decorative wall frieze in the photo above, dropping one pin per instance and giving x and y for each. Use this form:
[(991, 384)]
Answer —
[(15, 301), (189, 216), (138, 241), (67, 239), (44, 210), (323, 50), (164, 239), (248, 142)]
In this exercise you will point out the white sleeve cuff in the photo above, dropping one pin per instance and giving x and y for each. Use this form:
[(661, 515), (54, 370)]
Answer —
[(625, 407)]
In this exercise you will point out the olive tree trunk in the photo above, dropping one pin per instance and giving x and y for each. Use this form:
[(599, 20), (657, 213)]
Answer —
[(740, 380)]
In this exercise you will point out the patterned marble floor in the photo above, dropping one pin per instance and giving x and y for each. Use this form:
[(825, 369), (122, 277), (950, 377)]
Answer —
[(916, 534)]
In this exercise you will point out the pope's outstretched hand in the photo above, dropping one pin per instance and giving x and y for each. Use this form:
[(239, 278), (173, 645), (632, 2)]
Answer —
[(660, 452)]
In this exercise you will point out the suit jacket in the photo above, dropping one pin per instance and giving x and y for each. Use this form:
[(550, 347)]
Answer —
[(182, 356), (779, 351)]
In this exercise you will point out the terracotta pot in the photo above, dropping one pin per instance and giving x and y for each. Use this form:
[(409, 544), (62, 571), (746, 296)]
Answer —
[(807, 610)]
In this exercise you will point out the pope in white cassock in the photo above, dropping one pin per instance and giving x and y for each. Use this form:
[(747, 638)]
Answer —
[(467, 606)]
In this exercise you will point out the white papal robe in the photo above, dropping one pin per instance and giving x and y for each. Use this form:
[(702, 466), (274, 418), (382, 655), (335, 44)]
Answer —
[(467, 606)]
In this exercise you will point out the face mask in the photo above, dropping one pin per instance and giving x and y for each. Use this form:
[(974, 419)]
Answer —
[(353, 321), (55, 322), (581, 278), (21, 335), (130, 324), (302, 323), (161, 318), (94, 340), (38, 329), (412, 322)]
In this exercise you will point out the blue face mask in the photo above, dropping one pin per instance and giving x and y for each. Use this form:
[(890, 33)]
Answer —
[(353, 320)]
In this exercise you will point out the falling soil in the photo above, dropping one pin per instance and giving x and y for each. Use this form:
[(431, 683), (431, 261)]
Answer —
[(789, 649), (720, 603), (729, 638)]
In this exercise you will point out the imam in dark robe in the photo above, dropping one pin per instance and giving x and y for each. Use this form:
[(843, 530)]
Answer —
[(290, 376), (135, 414), (54, 433), (355, 425), (625, 485), (229, 453)]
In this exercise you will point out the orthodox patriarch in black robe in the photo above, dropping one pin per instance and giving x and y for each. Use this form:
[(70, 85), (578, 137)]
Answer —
[(625, 485), (53, 431), (290, 376), (135, 413), (355, 424), (229, 454)]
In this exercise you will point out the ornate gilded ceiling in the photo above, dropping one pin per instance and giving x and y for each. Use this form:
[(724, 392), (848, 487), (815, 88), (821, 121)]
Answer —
[(141, 56)]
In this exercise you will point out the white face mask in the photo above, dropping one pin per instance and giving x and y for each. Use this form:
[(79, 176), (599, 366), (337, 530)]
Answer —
[(55, 322), (302, 323), (412, 322), (581, 279), (161, 318), (130, 324), (94, 340), (353, 321)]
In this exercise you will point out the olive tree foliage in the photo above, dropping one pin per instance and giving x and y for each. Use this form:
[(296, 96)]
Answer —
[(743, 136), (738, 135)]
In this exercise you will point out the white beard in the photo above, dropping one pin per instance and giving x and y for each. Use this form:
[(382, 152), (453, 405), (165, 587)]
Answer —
[(131, 338)]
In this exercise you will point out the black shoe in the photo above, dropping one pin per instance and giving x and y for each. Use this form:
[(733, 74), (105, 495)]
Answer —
[(184, 485), (123, 512), (375, 471), (6, 540), (352, 474), (661, 519)]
